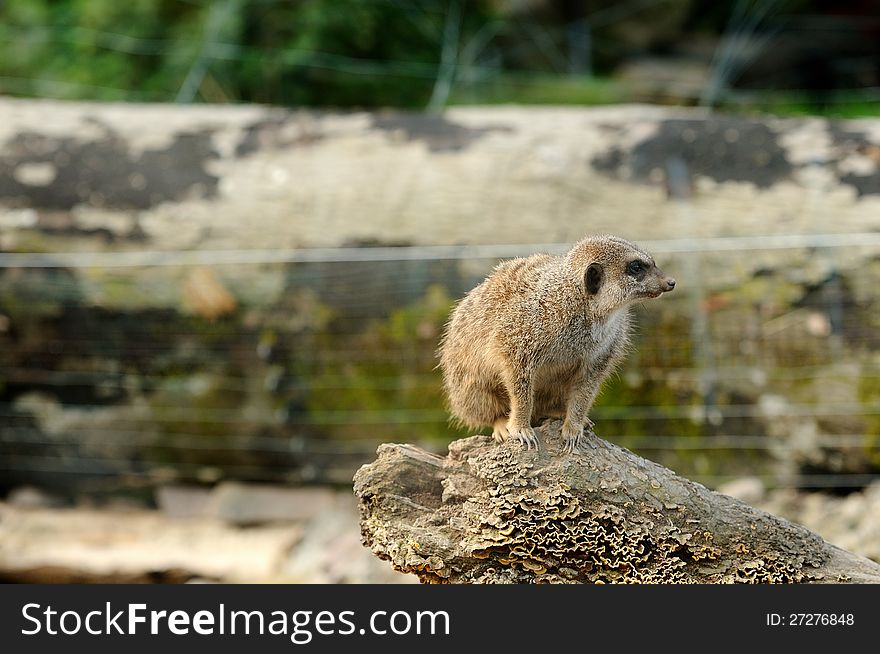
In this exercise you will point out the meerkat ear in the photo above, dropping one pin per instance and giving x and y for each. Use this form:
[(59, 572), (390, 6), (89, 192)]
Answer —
[(593, 278)]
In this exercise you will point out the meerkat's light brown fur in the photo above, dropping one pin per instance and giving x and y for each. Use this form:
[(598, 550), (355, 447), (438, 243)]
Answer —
[(539, 336)]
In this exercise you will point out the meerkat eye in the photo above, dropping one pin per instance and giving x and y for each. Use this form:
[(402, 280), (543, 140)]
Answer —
[(635, 267)]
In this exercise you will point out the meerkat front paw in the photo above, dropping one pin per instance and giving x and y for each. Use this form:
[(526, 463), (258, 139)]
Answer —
[(526, 435), (574, 437)]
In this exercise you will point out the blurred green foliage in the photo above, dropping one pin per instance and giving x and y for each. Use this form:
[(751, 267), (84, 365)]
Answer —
[(540, 89), (312, 52), (399, 53), (97, 48)]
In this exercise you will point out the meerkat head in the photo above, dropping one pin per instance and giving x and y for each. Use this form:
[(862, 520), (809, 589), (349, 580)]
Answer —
[(616, 272)]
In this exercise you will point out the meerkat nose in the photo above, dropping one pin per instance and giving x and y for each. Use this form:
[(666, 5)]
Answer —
[(670, 283)]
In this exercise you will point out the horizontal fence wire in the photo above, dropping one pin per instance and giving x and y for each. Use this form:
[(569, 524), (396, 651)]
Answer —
[(146, 258)]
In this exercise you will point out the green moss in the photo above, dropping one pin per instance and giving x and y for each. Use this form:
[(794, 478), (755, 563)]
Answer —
[(31, 241), (847, 105), (537, 89), (391, 379), (766, 289), (869, 393), (33, 294)]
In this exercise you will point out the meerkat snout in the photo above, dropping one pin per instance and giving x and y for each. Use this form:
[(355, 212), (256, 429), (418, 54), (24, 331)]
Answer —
[(538, 337)]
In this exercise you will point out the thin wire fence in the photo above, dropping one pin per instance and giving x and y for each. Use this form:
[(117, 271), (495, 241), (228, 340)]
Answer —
[(179, 395), (301, 385)]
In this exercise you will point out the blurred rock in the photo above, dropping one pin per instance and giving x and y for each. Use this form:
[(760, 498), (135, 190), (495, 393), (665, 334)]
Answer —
[(657, 78), (244, 504), (30, 497), (331, 551), (851, 522), (748, 489), (181, 543), (183, 502), (104, 545)]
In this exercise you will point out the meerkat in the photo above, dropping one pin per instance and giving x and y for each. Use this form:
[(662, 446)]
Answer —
[(537, 338)]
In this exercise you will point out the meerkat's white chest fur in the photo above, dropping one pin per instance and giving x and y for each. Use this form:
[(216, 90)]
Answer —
[(605, 333)]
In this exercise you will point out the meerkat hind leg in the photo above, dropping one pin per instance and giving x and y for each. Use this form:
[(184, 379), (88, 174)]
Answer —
[(499, 429)]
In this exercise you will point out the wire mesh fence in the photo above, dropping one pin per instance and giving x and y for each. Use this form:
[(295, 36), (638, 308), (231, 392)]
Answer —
[(130, 367), (772, 373)]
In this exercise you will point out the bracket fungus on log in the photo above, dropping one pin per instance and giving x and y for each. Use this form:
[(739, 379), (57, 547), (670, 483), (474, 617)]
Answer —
[(495, 513)]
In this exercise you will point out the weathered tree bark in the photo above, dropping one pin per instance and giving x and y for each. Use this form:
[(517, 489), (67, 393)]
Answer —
[(490, 513)]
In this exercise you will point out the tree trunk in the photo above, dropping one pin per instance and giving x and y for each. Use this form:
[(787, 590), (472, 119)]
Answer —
[(490, 513)]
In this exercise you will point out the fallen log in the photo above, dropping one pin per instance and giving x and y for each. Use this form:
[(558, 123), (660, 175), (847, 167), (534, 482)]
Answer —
[(495, 513)]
